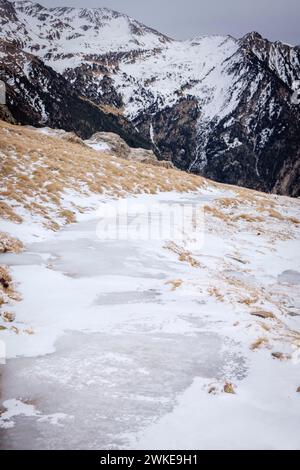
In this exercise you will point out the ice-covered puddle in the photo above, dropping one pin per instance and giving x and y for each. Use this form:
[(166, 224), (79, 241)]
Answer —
[(113, 346), (105, 387)]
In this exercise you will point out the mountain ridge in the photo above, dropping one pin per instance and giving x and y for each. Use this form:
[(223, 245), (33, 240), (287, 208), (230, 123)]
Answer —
[(214, 105)]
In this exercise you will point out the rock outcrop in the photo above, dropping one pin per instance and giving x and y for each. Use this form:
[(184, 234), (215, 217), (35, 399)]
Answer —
[(118, 147)]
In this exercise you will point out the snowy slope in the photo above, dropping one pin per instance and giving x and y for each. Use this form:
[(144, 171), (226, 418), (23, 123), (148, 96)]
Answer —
[(196, 68), (66, 38), (213, 105), (63, 36), (135, 341)]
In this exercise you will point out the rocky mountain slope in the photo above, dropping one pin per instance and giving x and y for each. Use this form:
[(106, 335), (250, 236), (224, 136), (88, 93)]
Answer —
[(214, 105)]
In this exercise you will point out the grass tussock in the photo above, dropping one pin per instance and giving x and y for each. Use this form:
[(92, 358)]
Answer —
[(68, 215), (6, 210), (263, 314), (215, 292), (250, 210), (229, 388), (5, 278), (259, 343), (7, 291), (281, 356), (9, 244), (275, 214), (183, 255), (248, 218), (217, 213), (175, 283)]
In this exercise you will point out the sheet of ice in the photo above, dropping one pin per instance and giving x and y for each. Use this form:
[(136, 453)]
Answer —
[(120, 341)]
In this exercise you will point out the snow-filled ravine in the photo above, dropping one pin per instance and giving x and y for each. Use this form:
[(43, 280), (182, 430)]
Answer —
[(121, 346)]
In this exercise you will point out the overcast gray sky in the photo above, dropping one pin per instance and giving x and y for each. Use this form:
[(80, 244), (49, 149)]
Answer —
[(182, 19)]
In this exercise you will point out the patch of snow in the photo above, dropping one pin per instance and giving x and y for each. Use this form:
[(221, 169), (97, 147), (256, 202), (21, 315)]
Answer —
[(15, 408), (99, 146)]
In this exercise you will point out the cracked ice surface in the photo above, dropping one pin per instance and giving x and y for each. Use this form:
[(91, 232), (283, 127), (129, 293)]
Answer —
[(118, 357)]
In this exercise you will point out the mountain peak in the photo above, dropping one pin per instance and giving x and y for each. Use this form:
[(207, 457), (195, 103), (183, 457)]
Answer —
[(214, 105), (252, 37)]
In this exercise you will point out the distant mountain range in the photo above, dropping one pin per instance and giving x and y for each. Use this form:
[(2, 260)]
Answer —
[(214, 105)]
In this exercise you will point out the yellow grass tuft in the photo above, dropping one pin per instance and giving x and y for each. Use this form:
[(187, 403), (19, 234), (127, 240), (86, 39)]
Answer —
[(36, 170), (9, 244), (5, 278), (248, 218), (263, 314), (175, 283), (214, 292), (69, 216), (229, 388), (183, 255), (216, 213), (281, 356), (8, 316), (259, 343), (7, 292)]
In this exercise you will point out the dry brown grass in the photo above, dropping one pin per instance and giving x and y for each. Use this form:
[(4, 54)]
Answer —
[(9, 244), (7, 212), (229, 388), (263, 314), (215, 292), (7, 291), (69, 216), (175, 283), (264, 326), (281, 356), (8, 316), (183, 254), (228, 202), (259, 343), (247, 218), (248, 300), (215, 212), (275, 214), (5, 278), (36, 170), (249, 210)]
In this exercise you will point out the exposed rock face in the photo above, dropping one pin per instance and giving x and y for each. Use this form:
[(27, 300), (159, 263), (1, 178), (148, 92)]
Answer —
[(117, 146), (115, 143), (37, 95), (172, 131), (5, 114), (216, 106)]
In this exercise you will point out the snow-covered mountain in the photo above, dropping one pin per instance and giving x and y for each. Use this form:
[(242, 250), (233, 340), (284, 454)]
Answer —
[(143, 323), (213, 105)]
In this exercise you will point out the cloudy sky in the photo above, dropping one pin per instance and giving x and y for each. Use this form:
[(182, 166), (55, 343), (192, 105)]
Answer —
[(182, 19)]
